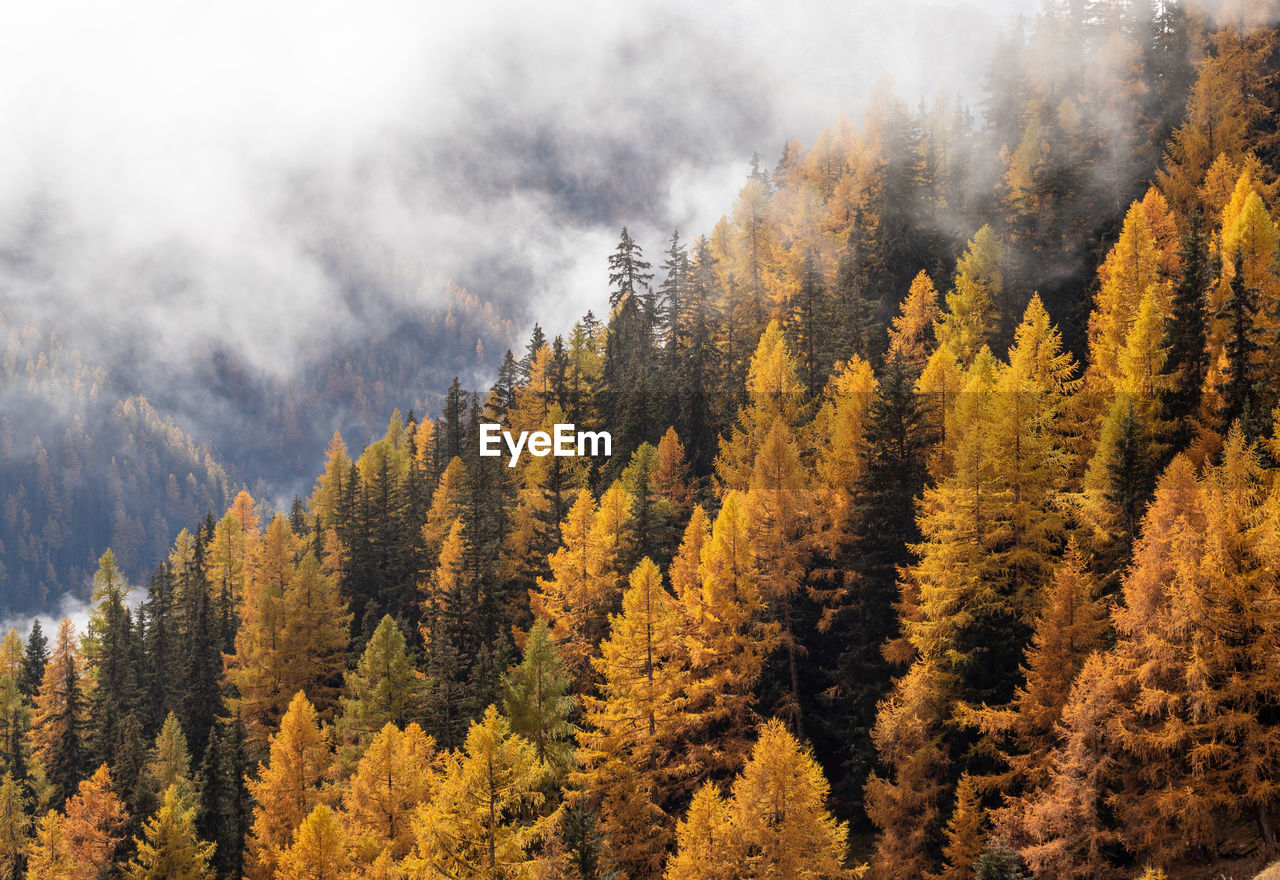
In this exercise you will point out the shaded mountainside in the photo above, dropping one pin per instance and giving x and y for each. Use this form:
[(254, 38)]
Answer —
[(84, 467), (102, 455)]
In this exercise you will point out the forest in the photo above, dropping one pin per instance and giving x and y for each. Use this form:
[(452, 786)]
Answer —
[(940, 539)]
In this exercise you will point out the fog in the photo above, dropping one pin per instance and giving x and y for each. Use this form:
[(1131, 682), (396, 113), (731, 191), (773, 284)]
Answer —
[(174, 176)]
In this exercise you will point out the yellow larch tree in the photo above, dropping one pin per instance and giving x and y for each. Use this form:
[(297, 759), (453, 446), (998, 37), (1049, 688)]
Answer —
[(393, 778), (92, 829), (973, 316), (1225, 107), (906, 803), (1065, 826), (686, 583), (1249, 234), (940, 384), (837, 432), (911, 336), (288, 786), (707, 844), (780, 510), (639, 714), (1193, 641), (1072, 625), (315, 636), (1131, 272), (671, 481), (482, 817), (728, 641), (586, 576), (329, 486), (15, 827), (965, 834), (778, 808), (321, 850), (170, 848), (446, 507), (773, 394)]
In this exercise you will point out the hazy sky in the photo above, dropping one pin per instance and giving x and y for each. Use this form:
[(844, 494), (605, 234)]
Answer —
[(175, 171)]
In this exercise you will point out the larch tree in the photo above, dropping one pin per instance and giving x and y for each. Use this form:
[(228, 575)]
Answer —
[(781, 511), (49, 854), (586, 578), (481, 819), (260, 667), (965, 834), (15, 829), (170, 848), (1192, 643), (1226, 110), (1130, 273), (288, 787), (321, 850), (774, 393), (906, 803), (778, 808), (728, 639), (315, 636), (707, 844), (394, 777), (1072, 625), (838, 430), (59, 719), (446, 507), (638, 716), (911, 336), (91, 827), (1066, 825), (169, 764), (972, 317)]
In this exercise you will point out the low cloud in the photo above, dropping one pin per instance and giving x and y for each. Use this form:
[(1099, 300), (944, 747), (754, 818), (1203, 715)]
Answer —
[(175, 179)]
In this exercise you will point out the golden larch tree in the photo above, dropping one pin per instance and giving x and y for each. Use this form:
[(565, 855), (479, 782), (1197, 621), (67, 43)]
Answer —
[(288, 787)]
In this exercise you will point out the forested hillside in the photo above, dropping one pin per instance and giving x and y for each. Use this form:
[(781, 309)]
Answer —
[(940, 538), (85, 466)]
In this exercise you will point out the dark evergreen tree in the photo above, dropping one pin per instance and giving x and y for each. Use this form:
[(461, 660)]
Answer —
[(625, 401), (162, 670), (849, 313), (200, 694), (225, 806), (895, 470), (452, 428), (671, 300), (806, 329), (298, 517), (700, 367), (504, 390), (1132, 481), (537, 339), (1188, 359), (629, 273), (115, 690), (69, 762), (128, 759), (34, 658), (1242, 344)]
